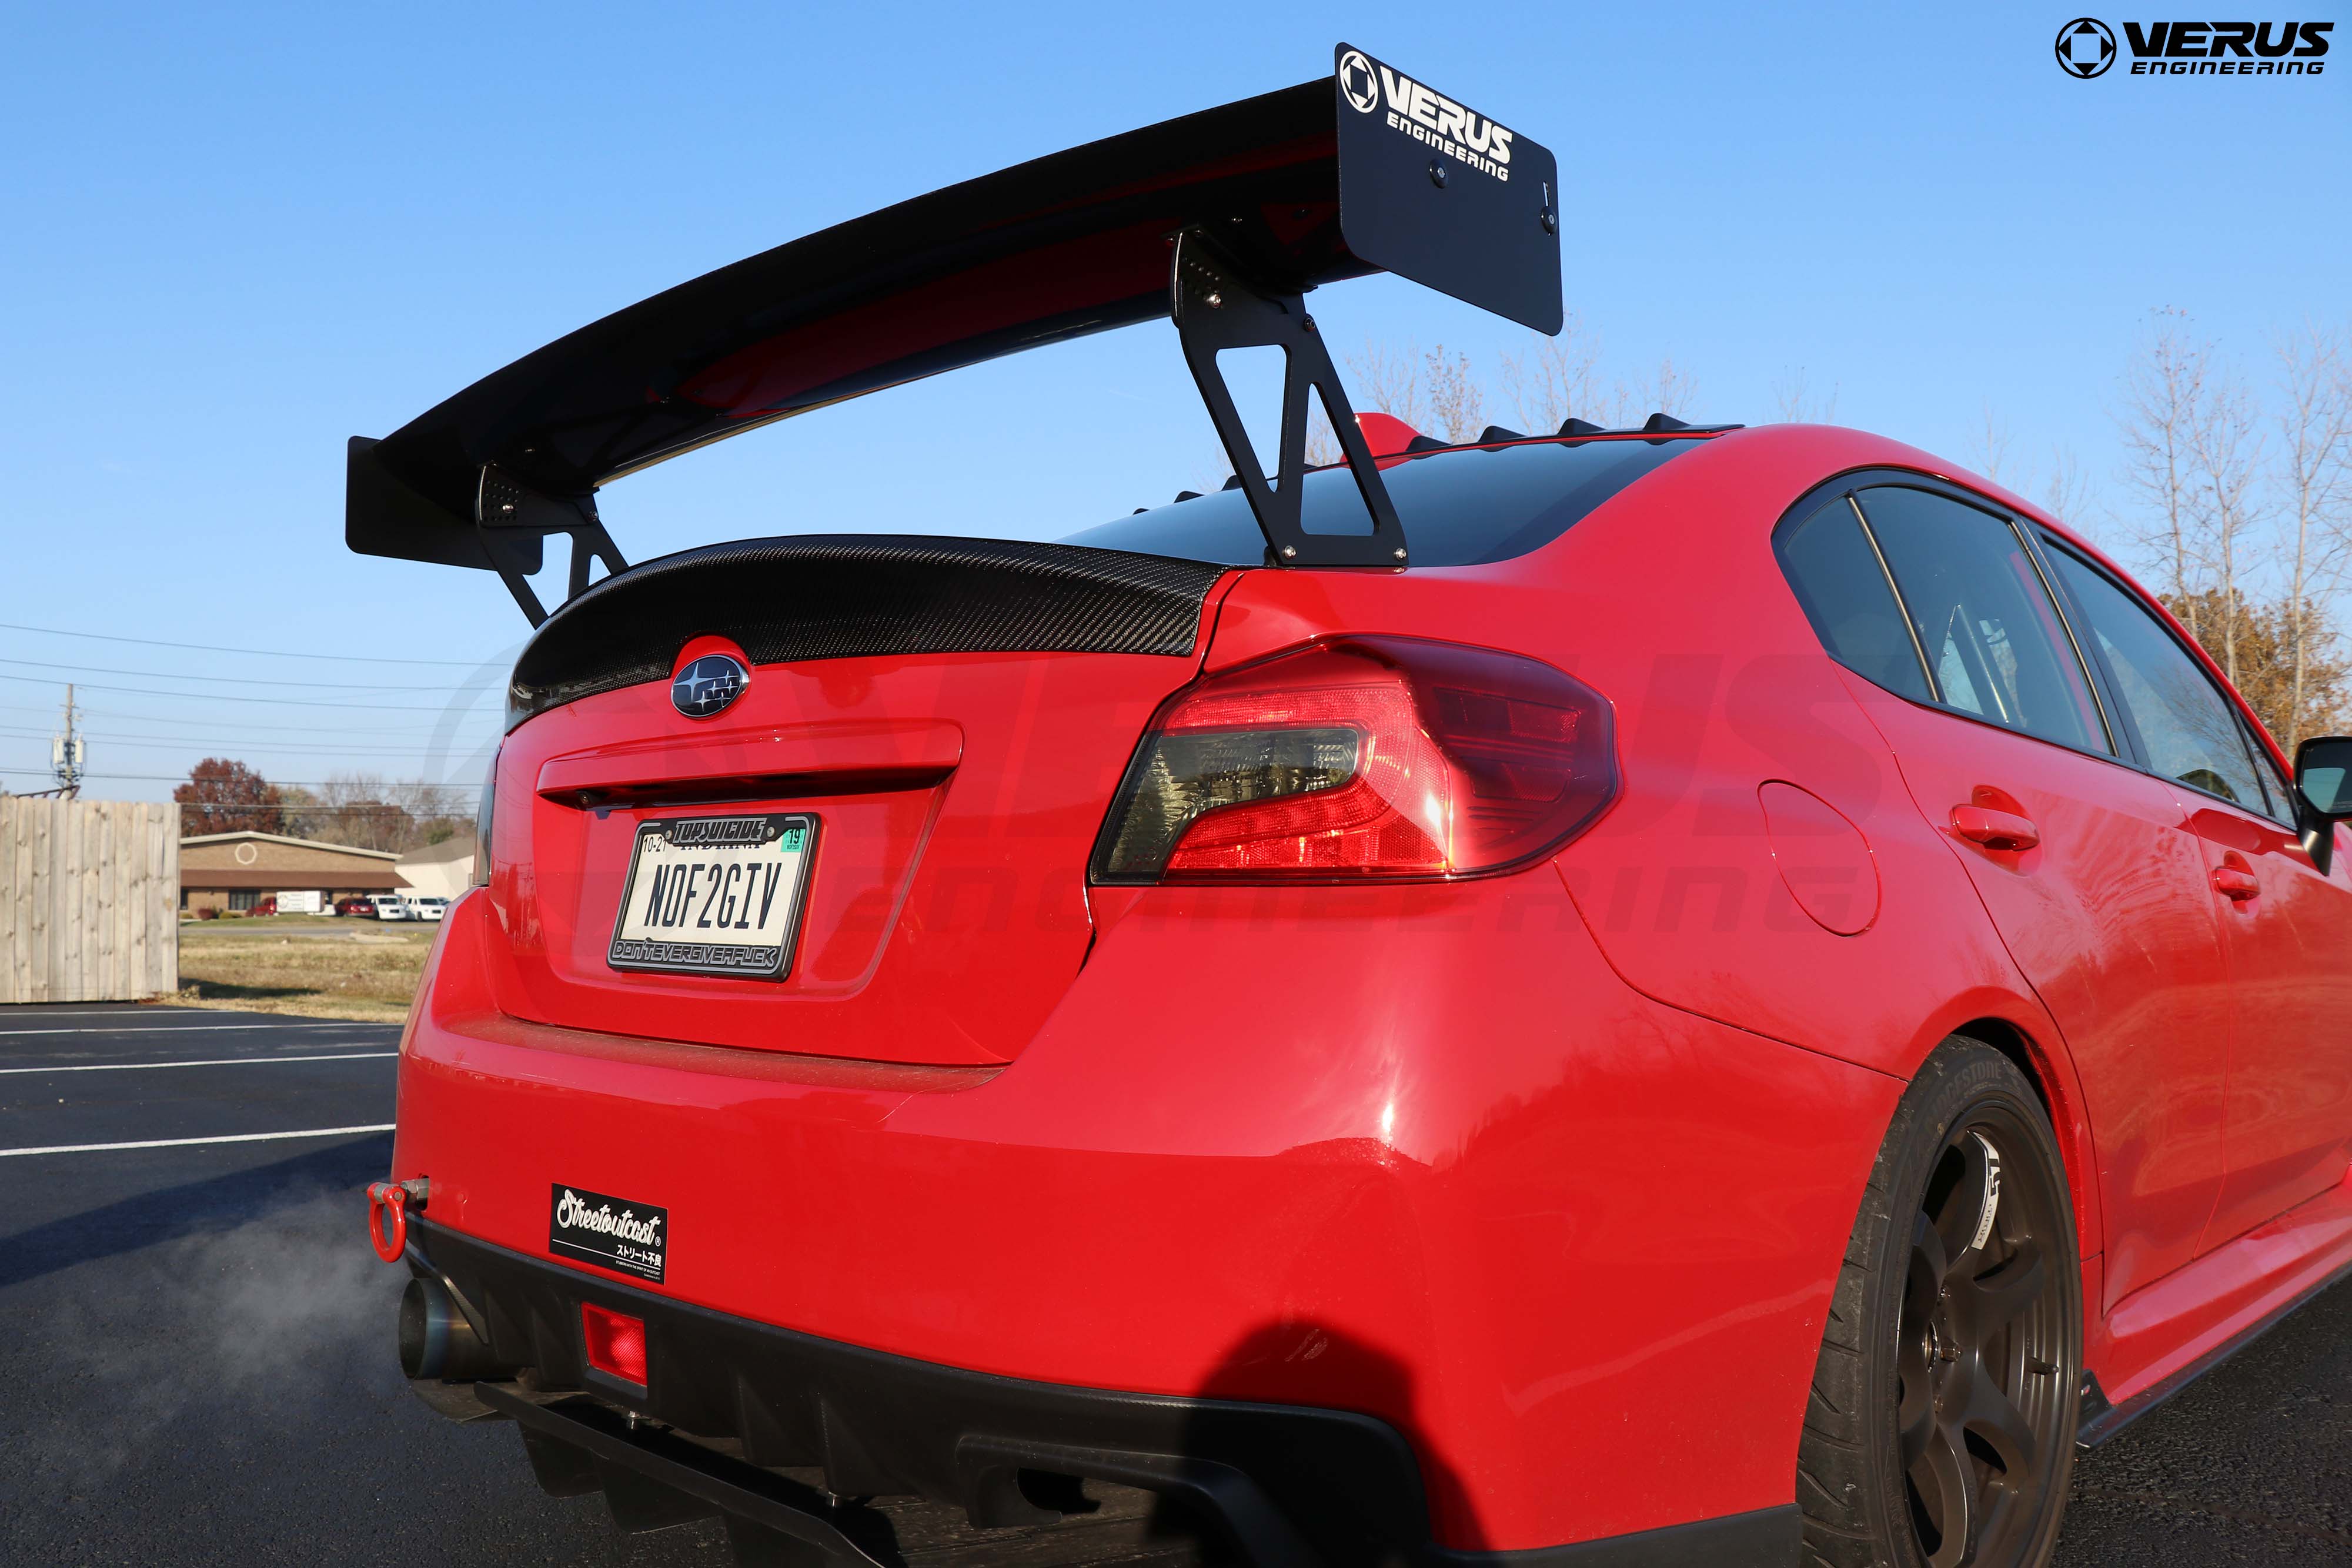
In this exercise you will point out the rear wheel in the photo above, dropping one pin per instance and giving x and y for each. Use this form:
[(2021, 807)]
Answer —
[(1941, 1429)]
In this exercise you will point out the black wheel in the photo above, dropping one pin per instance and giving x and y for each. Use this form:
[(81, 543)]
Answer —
[(1941, 1429)]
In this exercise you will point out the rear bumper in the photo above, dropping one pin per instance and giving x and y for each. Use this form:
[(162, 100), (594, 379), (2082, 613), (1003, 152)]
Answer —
[(1281, 1484), (1571, 1249)]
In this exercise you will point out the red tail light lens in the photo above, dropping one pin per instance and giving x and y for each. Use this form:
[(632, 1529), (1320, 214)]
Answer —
[(616, 1342), (1362, 758)]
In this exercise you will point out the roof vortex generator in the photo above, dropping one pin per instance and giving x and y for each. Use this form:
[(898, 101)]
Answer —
[(1220, 220)]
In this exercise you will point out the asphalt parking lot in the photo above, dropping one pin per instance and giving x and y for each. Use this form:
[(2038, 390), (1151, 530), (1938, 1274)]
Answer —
[(197, 1367)]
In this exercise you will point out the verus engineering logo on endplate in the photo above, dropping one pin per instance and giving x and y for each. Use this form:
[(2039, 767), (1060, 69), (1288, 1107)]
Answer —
[(2086, 47), (1463, 134), (708, 685)]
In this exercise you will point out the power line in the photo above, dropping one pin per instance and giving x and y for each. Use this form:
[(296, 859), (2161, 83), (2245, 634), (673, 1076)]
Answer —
[(281, 806), (257, 653), (201, 807), (225, 680), (233, 697), (212, 727), (199, 742)]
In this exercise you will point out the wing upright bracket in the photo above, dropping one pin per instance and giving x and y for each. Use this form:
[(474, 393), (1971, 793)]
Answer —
[(1217, 306), (505, 509)]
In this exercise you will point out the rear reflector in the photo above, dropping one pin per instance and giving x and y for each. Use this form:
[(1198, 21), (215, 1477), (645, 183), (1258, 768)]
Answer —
[(1362, 758), (616, 1342)]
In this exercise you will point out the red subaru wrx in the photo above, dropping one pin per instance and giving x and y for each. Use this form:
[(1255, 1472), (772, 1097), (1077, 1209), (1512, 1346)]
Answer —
[(1620, 996)]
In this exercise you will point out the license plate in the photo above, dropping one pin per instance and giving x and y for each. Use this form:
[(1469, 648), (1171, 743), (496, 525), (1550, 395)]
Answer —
[(715, 895)]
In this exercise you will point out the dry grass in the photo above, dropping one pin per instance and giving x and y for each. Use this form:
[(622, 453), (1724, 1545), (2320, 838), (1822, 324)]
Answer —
[(344, 968)]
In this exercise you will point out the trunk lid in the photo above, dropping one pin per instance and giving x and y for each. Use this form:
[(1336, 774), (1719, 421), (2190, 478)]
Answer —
[(955, 715)]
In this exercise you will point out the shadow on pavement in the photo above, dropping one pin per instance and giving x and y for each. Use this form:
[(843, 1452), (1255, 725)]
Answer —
[(215, 1203)]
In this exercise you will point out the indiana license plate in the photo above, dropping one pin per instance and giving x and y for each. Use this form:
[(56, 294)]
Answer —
[(715, 895)]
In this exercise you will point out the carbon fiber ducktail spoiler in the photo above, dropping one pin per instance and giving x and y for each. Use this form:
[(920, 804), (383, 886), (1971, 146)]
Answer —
[(1220, 220)]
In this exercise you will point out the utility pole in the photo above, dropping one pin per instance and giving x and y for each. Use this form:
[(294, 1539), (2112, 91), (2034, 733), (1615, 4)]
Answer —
[(67, 753)]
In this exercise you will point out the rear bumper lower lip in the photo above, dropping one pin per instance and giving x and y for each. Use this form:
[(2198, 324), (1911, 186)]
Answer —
[(1289, 1485)]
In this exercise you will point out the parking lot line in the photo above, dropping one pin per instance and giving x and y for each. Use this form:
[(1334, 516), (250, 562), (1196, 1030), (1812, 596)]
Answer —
[(184, 1142), (221, 1061), (190, 1029)]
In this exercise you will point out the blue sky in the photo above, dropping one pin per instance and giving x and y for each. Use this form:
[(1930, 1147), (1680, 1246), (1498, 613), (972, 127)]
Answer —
[(234, 237)]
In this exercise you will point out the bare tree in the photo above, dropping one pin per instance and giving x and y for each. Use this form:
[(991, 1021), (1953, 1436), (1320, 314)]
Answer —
[(1549, 381), (368, 811), (2066, 493), (1554, 379), (2226, 441), (1456, 402), (2060, 486), (1993, 444), (2316, 477), (1390, 383), (2164, 397), (1794, 401), (1670, 389)]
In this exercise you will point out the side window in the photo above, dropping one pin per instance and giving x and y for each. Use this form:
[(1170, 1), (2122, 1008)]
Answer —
[(1993, 640), (1837, 578), (2189, 730)]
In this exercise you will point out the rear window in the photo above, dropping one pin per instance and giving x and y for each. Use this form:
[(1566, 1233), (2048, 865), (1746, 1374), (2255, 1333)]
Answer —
[(1458, 508)]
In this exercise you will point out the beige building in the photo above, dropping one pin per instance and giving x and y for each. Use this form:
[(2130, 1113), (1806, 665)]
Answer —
[(237, 871), (440, 871)]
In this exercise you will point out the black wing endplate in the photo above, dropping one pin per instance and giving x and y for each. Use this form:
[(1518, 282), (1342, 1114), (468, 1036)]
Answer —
[(1365, 171)]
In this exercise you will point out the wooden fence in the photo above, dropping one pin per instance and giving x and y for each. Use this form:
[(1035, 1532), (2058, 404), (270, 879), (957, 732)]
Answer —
[(89, 900)]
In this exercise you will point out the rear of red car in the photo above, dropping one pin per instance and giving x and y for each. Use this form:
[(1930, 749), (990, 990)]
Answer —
[(1121, 1022), (974, 1021)]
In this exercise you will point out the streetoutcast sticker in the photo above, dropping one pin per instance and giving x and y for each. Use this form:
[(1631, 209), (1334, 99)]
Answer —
[(627, 1237)]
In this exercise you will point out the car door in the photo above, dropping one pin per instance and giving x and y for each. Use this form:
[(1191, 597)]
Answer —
[(2086, 865), (2288, 928)]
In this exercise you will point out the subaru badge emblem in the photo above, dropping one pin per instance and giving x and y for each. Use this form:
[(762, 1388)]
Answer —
[(708, 685)]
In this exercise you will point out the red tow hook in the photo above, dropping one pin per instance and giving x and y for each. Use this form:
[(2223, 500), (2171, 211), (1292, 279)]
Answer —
[(388, 1203)]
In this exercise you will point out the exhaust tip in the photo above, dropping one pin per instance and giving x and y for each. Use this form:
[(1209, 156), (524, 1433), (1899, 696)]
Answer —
[(435, 1340), (425, 1314)]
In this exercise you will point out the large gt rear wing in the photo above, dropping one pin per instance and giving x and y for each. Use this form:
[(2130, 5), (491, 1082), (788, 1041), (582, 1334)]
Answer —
[(1220, 220)]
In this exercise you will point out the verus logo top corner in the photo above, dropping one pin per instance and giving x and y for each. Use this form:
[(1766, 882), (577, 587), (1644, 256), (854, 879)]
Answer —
[(1359, 81), (2086, 47)]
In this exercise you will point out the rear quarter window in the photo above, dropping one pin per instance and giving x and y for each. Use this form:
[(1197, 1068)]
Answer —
[(1837, 577), (1462, 507)]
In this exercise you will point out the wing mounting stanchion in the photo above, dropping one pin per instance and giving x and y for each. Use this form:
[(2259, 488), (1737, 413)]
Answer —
[(504, 506), (1217, 306)]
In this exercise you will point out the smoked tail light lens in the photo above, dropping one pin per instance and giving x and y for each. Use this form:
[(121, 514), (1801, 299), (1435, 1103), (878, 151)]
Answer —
[(484, 814), (615, 1342), (1358, 759)]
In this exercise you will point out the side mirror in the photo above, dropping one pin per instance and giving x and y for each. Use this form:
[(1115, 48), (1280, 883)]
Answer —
[(2323, 775), (2323, 783)]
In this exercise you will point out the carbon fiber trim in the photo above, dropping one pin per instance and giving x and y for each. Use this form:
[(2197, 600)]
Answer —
[(840, 596)]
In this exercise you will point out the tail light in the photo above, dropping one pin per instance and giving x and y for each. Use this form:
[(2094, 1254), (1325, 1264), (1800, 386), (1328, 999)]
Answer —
[(1361, 758), (484, 814)]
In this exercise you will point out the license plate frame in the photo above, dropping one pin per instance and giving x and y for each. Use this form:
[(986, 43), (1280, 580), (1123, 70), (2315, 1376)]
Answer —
[(687, 956)]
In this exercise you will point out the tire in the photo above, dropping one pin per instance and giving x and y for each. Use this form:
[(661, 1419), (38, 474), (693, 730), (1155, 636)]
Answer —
[(1939, 1431)]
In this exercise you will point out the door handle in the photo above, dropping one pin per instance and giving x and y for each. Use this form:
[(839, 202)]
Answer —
[(1994, 829), (2236, 883)]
